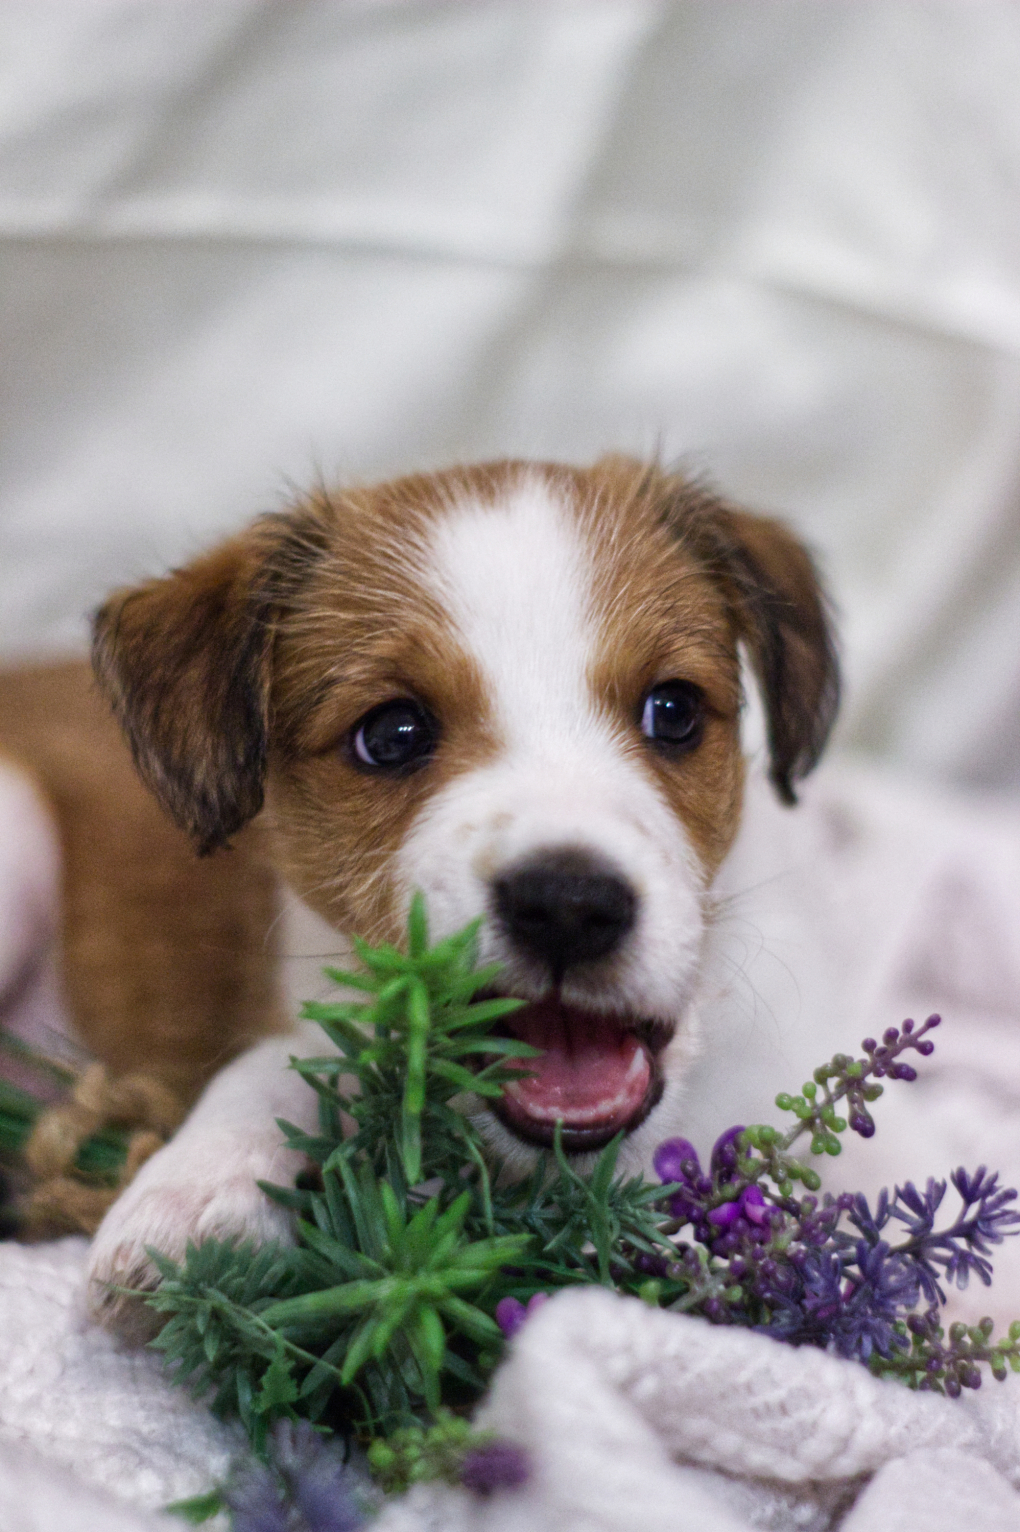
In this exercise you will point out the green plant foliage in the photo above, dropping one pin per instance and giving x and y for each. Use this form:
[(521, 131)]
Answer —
[(413, 1260)]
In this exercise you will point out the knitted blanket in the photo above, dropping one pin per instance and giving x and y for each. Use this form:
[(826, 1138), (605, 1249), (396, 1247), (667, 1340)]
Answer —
[(633, 1419)]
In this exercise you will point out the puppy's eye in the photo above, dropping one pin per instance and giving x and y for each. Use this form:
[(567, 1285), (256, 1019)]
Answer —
[(394, 734), (673, 714)]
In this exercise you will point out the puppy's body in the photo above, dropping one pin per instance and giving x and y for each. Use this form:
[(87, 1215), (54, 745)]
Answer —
[(166, 961), (514, 687)]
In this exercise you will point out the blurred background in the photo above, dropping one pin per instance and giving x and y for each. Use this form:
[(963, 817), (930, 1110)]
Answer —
[(243, 243)]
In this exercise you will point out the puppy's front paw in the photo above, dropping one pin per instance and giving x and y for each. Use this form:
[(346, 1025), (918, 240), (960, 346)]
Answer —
[(193, 1189)]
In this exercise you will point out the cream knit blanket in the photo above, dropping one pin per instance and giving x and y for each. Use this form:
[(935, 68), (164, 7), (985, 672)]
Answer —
[(635, 1421)]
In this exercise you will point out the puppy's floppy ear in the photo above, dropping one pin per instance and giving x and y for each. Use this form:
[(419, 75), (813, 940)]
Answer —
[(785, 621), (782, 615), (185, 662)]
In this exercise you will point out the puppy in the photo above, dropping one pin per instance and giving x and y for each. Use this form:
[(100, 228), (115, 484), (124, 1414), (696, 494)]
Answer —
[(515, 687)]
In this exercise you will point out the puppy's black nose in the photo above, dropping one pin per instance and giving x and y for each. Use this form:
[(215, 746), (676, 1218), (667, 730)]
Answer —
[(564, 907)]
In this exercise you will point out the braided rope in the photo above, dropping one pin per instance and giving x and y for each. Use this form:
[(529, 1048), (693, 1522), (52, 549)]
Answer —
[(63, 1200)]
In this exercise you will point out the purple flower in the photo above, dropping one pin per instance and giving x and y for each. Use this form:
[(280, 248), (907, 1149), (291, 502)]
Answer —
[(725, 1154), (511, 1312), (750, 1204), (672, 1157), (255, 1501), (495, 1465), (311, 1478)]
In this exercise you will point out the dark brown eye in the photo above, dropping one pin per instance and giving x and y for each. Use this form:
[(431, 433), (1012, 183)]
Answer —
[(394, 734), (673, 715)]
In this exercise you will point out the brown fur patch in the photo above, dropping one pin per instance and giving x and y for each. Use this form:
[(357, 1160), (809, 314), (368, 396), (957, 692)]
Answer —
[(167, 962), (662, 617)]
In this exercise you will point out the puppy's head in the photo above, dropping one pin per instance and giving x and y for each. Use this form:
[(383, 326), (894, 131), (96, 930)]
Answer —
[(517, 688)]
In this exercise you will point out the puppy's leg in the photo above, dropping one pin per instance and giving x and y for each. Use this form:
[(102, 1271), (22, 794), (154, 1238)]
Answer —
[(203, 1183), (29, 903)]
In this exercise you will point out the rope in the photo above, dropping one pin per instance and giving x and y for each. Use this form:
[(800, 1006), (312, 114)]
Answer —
[(64, 1200)]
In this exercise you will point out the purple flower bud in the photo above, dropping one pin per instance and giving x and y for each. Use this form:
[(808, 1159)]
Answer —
[(926, 1047), (891, 1035), (934, 1020), (672, 1156), (723, 1216), (495, 1465), (511, 1312), (863, 1124), (752, 1205), (869, 1045), (903, 1072), (681, 1209), (725, 1153), (510, 1315)]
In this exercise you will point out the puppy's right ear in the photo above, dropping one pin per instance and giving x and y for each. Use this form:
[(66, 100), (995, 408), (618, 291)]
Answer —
[(185, 662)]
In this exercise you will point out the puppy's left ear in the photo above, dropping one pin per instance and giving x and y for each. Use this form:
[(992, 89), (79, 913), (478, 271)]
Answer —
[(185, 663), (784, 618)]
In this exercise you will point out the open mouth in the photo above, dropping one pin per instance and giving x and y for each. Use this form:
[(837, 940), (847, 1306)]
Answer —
[(597, 1074)]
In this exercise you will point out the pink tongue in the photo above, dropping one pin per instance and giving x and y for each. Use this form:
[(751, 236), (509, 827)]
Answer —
[(591, 1073)]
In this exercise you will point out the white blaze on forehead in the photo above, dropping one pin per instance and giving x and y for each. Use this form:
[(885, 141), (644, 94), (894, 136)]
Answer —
[(516, 580)]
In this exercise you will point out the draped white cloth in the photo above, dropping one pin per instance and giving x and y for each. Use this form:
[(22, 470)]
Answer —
[(241, 243)]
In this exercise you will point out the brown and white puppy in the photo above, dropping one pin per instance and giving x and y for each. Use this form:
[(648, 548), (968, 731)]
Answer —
[(515, 687)]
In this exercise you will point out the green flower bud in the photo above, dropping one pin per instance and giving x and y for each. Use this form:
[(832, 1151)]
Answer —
[(810, 1089), (812, 1180), (650, 1292), (1014, 1330), (784, 1102)]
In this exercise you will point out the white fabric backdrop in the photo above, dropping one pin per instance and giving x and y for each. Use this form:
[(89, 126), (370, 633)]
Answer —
[(239, 241)]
